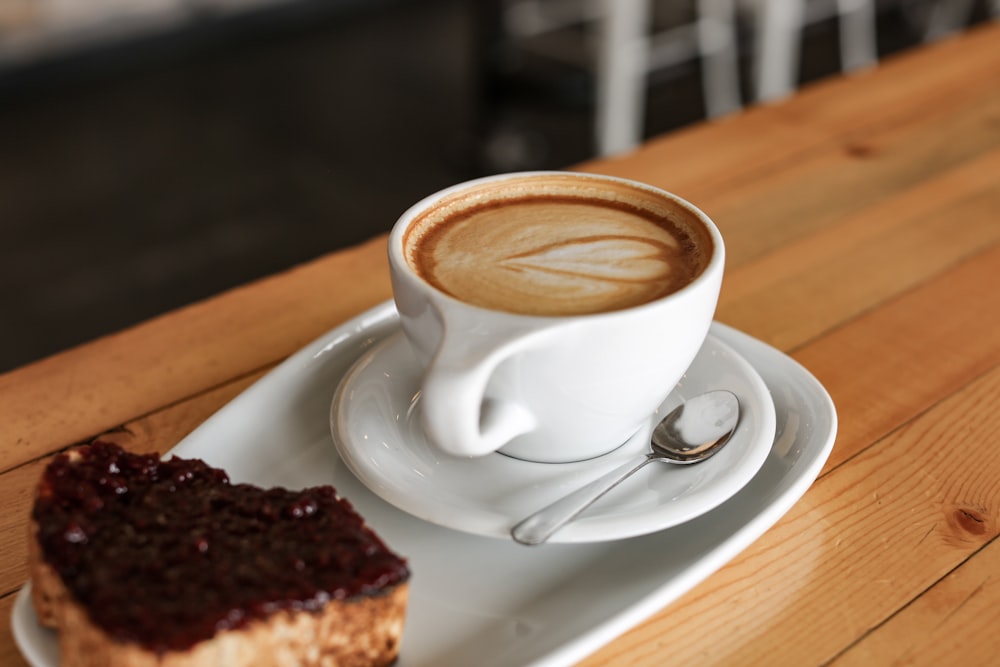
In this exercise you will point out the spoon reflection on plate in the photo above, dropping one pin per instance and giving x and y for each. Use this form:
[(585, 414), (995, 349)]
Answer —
[(692, 432)]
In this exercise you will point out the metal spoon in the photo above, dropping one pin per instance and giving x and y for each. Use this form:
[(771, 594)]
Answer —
[(692, 432)]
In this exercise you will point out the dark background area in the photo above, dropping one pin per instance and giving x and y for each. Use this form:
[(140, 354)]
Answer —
[(142, 176)]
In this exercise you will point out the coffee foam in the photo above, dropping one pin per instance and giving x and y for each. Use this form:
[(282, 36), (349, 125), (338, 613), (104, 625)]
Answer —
[(553, 245)]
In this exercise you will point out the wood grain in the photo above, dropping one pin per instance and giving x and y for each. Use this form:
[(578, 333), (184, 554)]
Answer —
[(865, 259), (858, 168), (72, 397), (896, 362), (958, 616)]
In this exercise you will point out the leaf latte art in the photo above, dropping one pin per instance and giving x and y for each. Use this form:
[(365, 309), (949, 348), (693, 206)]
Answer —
[(539, 254)]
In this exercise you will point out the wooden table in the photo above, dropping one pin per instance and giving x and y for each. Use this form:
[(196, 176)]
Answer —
[(862, 220)]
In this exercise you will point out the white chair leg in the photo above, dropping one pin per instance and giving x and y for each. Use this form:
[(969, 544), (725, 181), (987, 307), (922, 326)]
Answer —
[(777, 44), (621, 74), (720, 59), (858, 39)]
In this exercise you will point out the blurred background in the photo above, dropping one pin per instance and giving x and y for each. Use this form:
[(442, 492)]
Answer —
[(156, 152)]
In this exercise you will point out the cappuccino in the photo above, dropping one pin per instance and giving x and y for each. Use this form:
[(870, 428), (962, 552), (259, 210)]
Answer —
[(558, 245)]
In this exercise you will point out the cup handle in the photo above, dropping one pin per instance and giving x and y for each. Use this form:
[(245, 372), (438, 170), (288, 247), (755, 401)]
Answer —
[(455, 412)]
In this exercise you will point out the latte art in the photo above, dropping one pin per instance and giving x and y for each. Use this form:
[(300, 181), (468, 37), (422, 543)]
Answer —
[(590, 274), (554, 254)]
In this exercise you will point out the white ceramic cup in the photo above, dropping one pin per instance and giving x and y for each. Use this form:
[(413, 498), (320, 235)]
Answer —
[(548, 387)]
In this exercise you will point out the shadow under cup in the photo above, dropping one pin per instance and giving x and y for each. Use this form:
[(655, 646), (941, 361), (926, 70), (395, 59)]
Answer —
[(552, 311)]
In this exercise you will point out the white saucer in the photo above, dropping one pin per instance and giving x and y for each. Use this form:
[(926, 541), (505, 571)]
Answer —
[(375, 425)]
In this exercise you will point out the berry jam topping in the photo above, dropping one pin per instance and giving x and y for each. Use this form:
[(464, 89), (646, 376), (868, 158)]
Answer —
[(167, 553)]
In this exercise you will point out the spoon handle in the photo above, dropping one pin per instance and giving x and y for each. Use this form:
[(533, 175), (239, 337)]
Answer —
[(538, 527)]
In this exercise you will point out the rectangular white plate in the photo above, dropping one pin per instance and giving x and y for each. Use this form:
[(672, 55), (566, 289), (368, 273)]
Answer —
[(483, 601)]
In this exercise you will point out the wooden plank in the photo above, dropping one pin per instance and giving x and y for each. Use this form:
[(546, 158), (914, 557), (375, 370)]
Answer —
[(852, 266), (157, 432), (72, 397), (905, 513), (899, 360), (959, 616), (816, 190)]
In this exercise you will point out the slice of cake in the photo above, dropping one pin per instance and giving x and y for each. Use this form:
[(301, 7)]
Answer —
[(141, 561)]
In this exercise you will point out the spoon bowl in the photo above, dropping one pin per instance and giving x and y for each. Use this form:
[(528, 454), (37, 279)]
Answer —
[(692, 432), (697, 429)]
